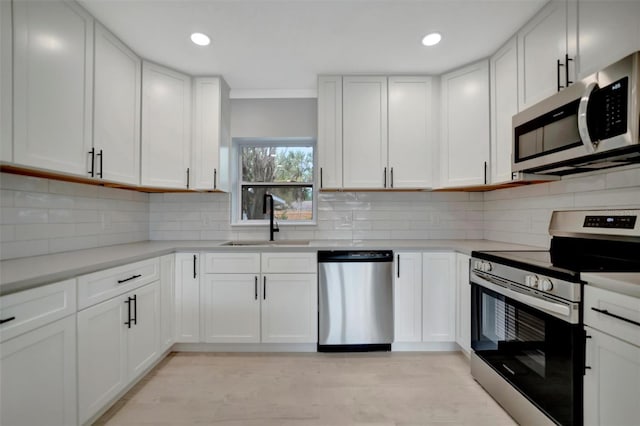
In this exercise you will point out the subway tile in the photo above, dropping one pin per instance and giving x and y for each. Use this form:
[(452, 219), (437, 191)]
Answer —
[(623, 178), (23, 215), (72, 243), (578, 184), (73, 216), (216, 235), (14, 249), (74, 189), (7, 233), (23, 183), (612, 198), (44, 230), (6, 198), (43, 200)]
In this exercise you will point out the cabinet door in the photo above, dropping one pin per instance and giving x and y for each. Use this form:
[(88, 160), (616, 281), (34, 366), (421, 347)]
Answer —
[(407, 298), (53, 70), (290, 308), (116, 113), (410, 132), (38, 376), (541, 43), (143, 338), (167, 301), (612, 384), (608, 31), (463, 299), (207, 116), (364, 127), (465, 126), (231, 308), (504, 104), (6, 86), (187, 319), (330, 131), (438, 297), (102, 355), (166, 127)]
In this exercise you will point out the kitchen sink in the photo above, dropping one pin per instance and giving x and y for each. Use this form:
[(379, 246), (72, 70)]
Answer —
[(266, 243)]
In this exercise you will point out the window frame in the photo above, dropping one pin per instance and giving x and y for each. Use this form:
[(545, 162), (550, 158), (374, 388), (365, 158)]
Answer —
[(236, 193)]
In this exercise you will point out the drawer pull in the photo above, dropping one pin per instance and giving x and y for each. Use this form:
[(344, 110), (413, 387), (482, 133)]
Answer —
[(129, 279), (2, 321), (605, 312)]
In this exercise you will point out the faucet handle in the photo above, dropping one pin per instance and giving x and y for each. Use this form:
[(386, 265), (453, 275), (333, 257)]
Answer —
[(276, 228)]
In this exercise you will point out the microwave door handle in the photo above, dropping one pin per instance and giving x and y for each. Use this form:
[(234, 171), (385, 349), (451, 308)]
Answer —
[(583, 119)]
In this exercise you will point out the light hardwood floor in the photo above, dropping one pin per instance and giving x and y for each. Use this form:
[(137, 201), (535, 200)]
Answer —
[(308, 389)]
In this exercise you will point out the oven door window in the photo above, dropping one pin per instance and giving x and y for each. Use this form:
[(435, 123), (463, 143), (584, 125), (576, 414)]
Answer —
[(535, 352)]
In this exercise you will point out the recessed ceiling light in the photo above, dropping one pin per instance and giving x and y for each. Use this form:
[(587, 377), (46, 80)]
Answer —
[(200, 39), (432, 39)]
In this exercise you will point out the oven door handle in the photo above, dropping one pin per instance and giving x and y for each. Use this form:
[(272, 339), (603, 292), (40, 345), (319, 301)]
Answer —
[(545, 305)]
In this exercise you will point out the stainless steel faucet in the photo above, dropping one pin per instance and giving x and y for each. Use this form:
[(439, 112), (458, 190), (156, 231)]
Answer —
[(272, 228)]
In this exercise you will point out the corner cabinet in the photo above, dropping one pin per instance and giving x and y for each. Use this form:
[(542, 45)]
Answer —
[(503, 67), (410, 132), (166, 128), (464, 152), (116, 110), (211, 134), (364, 130), (330, 131), (53, 86)]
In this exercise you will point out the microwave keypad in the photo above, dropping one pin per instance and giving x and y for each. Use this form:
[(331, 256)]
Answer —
[(611, 103)]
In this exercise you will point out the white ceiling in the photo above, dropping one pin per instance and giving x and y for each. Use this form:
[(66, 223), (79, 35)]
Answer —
[(278, 47)]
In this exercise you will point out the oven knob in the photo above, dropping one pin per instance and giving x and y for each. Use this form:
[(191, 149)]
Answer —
[(486, 267), (546, 284), (531, 281)]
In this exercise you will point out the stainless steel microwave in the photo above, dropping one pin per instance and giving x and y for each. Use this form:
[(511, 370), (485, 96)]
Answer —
[(592, 124)]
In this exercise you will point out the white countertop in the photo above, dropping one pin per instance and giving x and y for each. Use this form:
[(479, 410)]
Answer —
[(27, 272), (620, 282)]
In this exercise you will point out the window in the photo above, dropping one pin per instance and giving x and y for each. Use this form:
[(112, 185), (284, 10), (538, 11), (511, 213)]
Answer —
[(282, 168)]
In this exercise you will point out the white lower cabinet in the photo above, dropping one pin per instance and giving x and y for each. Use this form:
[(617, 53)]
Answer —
[(231, 308), (268, 298), (289, 308), (424, 299), (38, 376), (117, 340), (187, 307), (407, 297), (463, 303), (612, 383), (438, 297), (167, 301)]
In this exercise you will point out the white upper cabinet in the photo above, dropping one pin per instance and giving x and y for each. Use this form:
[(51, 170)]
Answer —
[(330, 131), (465, 126), (607, 31), (53, 71), (116, 114), (166, 127), (211, 134), (544, 44), (504, 105), (6, 89), (410, 132), (365, 132)]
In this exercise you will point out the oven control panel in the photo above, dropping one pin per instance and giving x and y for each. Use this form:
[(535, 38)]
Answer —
[(616, 222)]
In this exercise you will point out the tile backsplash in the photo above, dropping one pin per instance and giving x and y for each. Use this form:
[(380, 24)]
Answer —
[(42, 216), (521, 215), (341, 215)]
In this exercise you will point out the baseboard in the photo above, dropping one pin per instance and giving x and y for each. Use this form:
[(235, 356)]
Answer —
[(425, 347), (245, 347)]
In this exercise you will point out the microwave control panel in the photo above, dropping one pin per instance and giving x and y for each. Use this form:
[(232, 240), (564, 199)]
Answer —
[(607, 110)]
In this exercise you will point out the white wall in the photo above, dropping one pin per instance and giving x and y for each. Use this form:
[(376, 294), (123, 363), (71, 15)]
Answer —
[(274, 117), (521, 215), (41, 216)]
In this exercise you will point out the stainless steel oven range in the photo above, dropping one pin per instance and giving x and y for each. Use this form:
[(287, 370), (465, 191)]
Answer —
[(526, 313)]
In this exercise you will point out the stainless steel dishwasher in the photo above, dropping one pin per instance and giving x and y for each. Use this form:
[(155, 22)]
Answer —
[(355, 301)]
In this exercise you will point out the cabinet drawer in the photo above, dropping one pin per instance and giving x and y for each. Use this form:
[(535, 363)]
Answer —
[(36, 307), (289, 262), (100, 286), (232, 263), (606, 311)]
